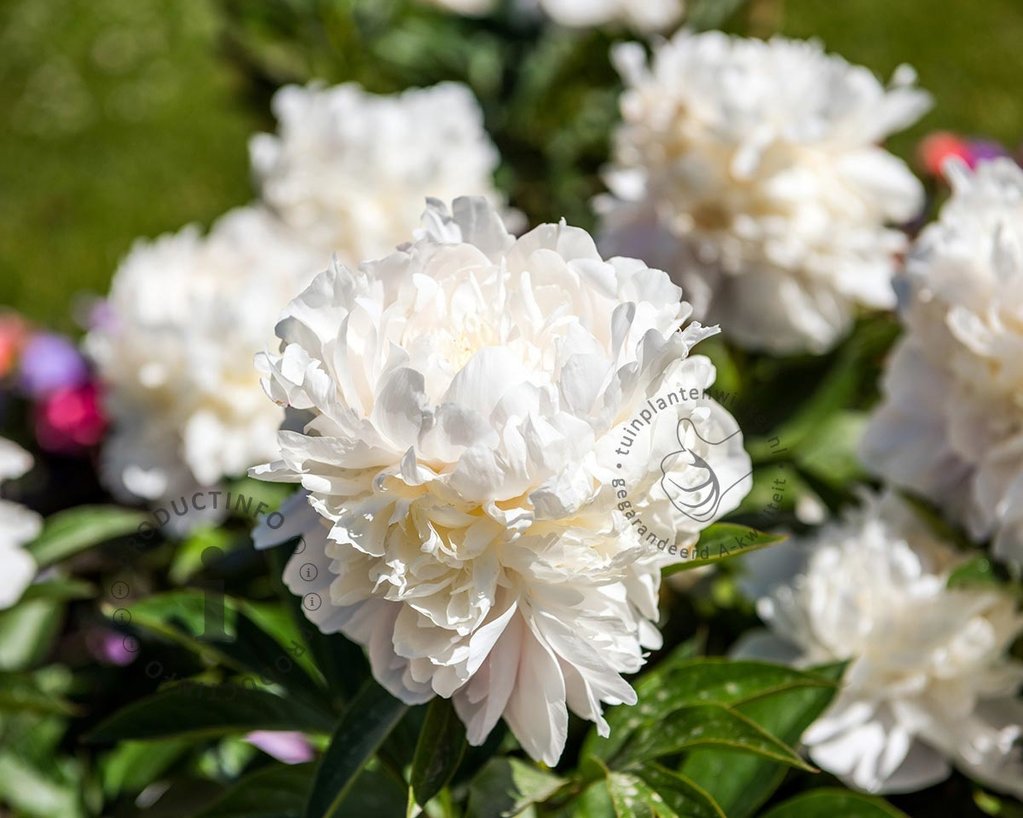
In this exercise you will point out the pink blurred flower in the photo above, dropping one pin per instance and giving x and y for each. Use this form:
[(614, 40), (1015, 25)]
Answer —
[(70, 419), (286, 747)]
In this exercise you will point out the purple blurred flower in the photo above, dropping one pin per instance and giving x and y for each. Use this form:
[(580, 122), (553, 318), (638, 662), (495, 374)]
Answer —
[(286, 747), (50, 362), (111, 647), (983, 150)]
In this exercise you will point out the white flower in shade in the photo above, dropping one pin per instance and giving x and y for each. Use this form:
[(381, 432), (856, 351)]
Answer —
[(929, 682), (350, 171), (751, 172), (950, 426), (462, 401), (645, 16), (18, 526), (187, 315)]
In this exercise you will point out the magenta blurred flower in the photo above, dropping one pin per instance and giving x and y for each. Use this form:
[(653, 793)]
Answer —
[(286, 747), (50, 362), (112, 648), (70, 419)]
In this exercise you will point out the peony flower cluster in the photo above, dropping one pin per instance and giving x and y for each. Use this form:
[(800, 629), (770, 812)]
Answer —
[(456, 407), (348, 175), (929, 681), (187, 315), (18, 526), (645, 16), (349, 171), (751, 172), (950, 426)]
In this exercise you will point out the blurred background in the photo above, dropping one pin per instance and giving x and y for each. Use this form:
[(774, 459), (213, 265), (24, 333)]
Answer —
[(128, 118)]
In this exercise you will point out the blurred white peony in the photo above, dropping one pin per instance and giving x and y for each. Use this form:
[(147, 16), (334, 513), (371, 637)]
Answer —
[(462, 399), (751, 172), (642, 15), (950, 426), (350, 171), (18, 526), (929, 680), (187, 315)]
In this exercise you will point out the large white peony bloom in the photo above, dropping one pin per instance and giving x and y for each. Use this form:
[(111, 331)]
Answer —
[(644, 16), (751, 172), (950, 426), (461, 403), (18, 526), (188, 314), (929, 681), (349, 170)]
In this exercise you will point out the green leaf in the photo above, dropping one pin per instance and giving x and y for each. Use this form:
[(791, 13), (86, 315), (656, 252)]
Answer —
[(830, 454), (27, 631), (683, 797), (254, 650), (60, 589), (277, 791), (707, 14), (631, 797), (740, 782), (721, 541), (506, 786), (702, 726), (134, 765), (978, 571), (207, 711), (367, 721), (679, 681), (834, 803), (840, 389), (36, 794), (22, 693), (439, 750), (69, 532), (341, 662)]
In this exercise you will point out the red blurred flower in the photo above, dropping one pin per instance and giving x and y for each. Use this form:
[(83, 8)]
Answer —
[(939, 146)]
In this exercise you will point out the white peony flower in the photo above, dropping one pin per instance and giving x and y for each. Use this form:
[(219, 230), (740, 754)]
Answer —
[(349, 171), (18, 526), (950, 426), (463, 401), (929, 680), (645, 16), (751, 171), (188, 314)]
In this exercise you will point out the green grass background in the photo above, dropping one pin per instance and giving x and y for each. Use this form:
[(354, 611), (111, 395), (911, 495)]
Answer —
[(122, 118)]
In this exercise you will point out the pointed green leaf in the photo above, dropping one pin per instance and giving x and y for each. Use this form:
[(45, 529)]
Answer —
[(277, 791), (207, 711), (683, 797), (834, 803), (69, 532), (740, 782), (367, 721), (707, 725), (721, 541), (679, 681), (439, 750), (506, 786)]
